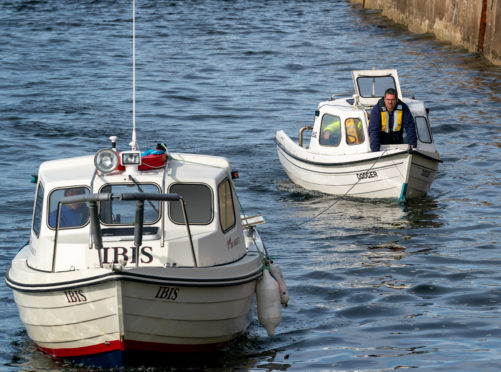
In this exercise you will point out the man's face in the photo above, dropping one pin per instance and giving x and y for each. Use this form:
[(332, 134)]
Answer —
[(390, 101), (71, 192)]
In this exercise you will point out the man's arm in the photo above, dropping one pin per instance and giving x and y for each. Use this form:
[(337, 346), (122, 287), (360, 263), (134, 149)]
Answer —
[(410, 127)]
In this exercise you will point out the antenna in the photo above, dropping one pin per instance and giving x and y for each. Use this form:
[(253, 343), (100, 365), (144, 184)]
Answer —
[(133, 143)]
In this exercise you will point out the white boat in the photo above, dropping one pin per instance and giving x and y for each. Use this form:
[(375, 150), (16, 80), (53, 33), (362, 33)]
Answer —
[(132, 274), (347, 166), (134, 252)]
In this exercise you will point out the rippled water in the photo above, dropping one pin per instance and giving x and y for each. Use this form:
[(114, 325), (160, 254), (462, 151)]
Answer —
[(375, 285)]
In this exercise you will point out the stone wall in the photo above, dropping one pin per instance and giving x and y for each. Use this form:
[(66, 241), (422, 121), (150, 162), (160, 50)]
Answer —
[(473, 24)]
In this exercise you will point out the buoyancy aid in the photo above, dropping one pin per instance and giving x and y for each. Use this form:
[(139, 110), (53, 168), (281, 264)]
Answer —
[(351, 131), (398, 115)]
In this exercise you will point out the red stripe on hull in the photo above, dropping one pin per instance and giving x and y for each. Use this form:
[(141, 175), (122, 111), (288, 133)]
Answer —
[(86, 350), (132, 345)]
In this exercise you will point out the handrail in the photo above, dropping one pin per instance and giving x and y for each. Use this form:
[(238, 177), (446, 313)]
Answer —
[(301, 134), (139, 196), (92, 199)]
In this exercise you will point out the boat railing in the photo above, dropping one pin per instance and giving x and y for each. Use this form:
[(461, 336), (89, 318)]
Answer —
[(301, 131), (95, 225)]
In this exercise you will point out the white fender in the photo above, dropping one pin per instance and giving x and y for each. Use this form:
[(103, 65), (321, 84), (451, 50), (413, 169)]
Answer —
[(277, 274), (269, 311)]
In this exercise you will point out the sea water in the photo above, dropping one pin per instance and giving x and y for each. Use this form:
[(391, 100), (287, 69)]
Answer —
[(374, 285)]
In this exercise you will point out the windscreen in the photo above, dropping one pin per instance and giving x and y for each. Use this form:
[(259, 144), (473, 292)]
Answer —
[(123, 212), (374, 86)]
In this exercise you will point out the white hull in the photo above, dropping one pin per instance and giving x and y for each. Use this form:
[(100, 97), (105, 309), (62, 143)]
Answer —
[(203, 318), (345, 158), (206, 318), (395, 173), (135, 277), (137, 251), (155, 309), (63, 328)]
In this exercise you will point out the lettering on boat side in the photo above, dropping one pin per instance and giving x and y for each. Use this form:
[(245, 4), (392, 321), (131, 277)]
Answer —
[(128, 255), (75, 296), (167, 293), (368, 174), (232, 243)]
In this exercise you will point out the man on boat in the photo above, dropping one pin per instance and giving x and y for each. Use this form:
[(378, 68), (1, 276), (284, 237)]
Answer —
[(389, 117), (331, 131), (72, 215)]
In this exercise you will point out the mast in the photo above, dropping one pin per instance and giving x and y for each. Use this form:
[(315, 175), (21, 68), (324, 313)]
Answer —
[(133, 143)]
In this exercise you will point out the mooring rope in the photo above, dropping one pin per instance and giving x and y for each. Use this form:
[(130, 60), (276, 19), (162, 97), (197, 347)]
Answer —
[(340, 197)]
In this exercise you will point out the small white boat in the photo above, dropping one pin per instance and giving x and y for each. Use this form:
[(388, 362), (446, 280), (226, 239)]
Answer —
[(158, 259), (347, 166), (134, 252)]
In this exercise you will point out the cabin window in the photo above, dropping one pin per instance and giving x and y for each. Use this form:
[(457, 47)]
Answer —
[(123, 212), (226, 210), (423, 129), (354, 131), (330, 130), (198, 201), (374, 86), (71, 215), (37, 215)]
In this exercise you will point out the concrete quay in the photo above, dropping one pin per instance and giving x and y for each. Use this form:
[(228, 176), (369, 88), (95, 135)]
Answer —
[(472, 24)]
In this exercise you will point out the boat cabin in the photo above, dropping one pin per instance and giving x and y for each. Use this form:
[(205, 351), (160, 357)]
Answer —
[(341, 125), (139, 212)]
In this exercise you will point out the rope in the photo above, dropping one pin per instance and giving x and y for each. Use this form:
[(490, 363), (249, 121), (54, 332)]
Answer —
[(342, 196), (265, 258)]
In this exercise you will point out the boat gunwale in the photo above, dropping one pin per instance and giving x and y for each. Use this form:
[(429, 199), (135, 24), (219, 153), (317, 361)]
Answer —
[(135, 277), (411, 151)]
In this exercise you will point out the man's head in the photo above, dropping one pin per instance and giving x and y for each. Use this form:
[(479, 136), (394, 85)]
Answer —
[(72, 192), (390, 99)]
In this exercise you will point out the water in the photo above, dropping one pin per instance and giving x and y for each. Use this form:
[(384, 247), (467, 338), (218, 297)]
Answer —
[(374, 285)]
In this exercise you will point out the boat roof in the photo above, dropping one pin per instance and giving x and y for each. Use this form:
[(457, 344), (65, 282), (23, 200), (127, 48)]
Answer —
[(181, 168), (193, 168), (69, 171), (346, 106), (370, 86), (341, 105)]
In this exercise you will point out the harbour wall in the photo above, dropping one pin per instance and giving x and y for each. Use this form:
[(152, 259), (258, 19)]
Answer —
[(473, 24)]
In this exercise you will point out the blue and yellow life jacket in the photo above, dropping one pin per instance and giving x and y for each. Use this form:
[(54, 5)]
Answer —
[(398, 116)]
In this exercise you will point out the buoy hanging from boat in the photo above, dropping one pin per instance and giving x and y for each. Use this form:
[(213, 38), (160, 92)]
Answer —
[(269, 311), (277, 274)]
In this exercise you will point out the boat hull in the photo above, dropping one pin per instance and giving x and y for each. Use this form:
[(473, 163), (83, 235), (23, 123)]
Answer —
[(396, 175), (98, 323), (422, 173)]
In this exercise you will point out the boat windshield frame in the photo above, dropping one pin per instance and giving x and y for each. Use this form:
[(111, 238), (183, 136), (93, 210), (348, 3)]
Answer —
[(377, 83), (153, 211), (95, 224)]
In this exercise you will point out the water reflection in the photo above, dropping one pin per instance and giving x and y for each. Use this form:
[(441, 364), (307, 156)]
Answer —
[(26, 357), (372, 283), (246, 352), (325, 213), (355, 242)]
